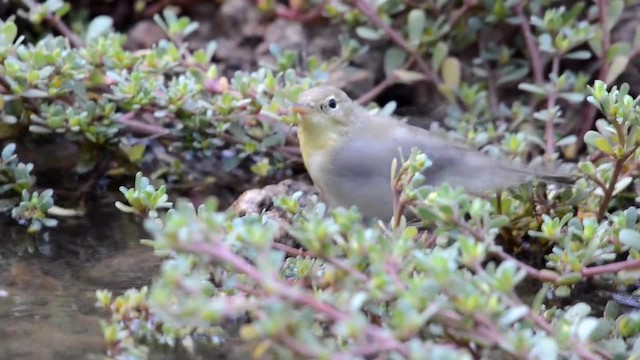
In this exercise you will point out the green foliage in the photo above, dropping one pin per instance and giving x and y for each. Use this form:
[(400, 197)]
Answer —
[(500, 96), (101, 96), (450, 285), (96, 95), (14, 175), (32, 210), (424, 293), (144, 199), (16, 179)]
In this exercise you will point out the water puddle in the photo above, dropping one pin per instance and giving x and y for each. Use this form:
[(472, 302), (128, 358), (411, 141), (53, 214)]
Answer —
[(48, 283)]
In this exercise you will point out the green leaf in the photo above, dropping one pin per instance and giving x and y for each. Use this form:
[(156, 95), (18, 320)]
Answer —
[(135, 152), (231, 163), (630, 238), (447, 92), (100, 25), (617, 67), (568, 140), (618, 49), (622, 184), (614, 10), (440, 51), (416, 23), (514, 75), (532, 88), (10, 31), (545, 348), (8, 151), (275, 139), (586, 327), (579, 55), (569, 278), (513, 315), (572, 14), (261, 168), (595, 42), (451, 73), (39, 129), (394, 58), (598, 141), (212, 46), (572, 97), (35, 93), (603, 145), (408, 76), (368, 33), (124, 208)]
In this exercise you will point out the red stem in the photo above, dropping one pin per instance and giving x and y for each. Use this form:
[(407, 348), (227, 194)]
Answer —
[(219, 252), (369, 11), (532, 49), (551, 102), (611, 268)]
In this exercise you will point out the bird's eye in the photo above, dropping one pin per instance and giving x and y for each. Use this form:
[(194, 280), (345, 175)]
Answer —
[(332, 103)]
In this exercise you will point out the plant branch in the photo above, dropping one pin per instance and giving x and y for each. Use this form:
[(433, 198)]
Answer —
[(367, 10), (617, 169), (377, 90), (547, 276), (294, 14), (63, 29), (291, 251), (365, 350), (551, 103), (532, 49), (55, 22), (598, 182), (296, 346), (461, 12), (140, 127), (217, 251), (611, 268)]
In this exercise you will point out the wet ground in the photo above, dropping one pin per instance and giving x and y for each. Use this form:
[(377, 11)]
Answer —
[(48, 284)]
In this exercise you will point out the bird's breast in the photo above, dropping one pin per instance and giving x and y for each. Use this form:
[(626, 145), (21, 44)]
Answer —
[(315, 157)]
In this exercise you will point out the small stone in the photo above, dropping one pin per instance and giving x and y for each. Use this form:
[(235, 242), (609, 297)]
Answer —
[(144, 35)]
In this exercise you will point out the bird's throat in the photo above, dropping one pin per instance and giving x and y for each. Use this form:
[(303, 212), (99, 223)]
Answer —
[(316, 144)]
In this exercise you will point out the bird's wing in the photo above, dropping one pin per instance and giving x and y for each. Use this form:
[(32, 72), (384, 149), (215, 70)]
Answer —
[(369, 154)]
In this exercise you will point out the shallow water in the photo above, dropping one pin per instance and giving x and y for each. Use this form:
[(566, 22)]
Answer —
[(48, 284), (47, 310)]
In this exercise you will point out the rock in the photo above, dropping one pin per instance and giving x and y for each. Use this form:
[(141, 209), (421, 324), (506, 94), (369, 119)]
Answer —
[(256, 201), (260, 201), (355, 81), (323, 40), (287, 34), (241, 18), (144, 35)]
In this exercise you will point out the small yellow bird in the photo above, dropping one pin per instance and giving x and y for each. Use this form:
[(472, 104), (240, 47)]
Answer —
[(348, 153)]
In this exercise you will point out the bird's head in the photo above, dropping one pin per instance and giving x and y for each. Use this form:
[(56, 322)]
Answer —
[(325, 107)]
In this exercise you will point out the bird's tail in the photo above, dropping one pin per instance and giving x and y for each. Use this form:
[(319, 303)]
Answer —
[(561, 179), (531, 174)]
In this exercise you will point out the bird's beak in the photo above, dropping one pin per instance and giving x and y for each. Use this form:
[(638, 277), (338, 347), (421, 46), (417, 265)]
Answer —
[(300, 109)]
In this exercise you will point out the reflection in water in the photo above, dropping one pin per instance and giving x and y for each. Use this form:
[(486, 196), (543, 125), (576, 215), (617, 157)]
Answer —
[(48, 283)]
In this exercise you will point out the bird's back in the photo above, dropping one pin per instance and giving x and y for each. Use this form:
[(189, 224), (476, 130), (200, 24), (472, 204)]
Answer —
[(361, 165)]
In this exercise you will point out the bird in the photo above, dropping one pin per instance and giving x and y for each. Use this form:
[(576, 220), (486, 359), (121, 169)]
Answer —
[(348, 153)]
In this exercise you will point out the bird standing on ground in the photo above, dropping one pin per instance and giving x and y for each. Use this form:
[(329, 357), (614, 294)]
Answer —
[(348, 153)]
